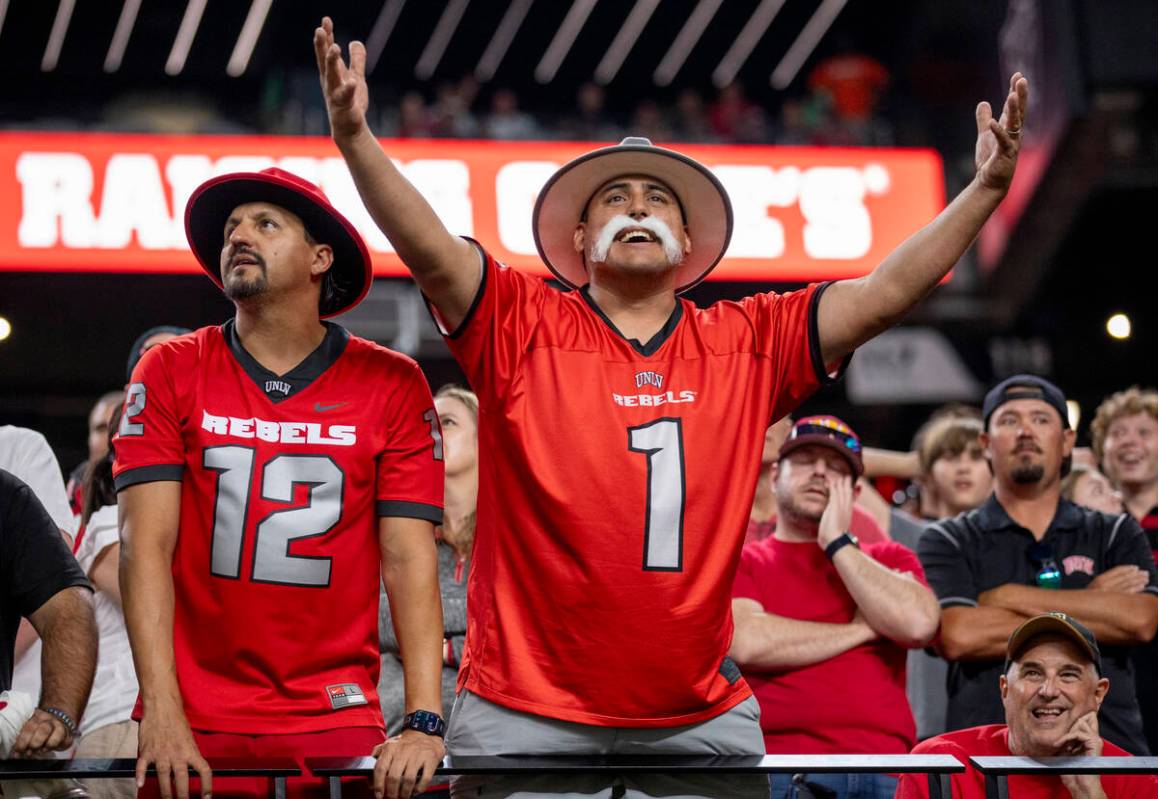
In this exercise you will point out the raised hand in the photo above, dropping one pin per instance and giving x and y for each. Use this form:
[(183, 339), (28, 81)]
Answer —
[(837, 514), (344, 87), (1082, 739), (999, 140)]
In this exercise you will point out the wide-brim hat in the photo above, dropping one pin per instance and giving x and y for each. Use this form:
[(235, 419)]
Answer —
[(213, 201), (704, 202)]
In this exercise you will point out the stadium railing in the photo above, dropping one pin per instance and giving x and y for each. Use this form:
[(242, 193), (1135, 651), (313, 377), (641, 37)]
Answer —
[(937, 767), (997, 770), (277, 769)]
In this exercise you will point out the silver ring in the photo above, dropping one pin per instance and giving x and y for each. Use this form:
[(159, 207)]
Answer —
[(1013, 133)]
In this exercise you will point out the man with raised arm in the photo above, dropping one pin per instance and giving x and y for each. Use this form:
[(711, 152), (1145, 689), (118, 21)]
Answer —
[(621, 428), (271, 473)]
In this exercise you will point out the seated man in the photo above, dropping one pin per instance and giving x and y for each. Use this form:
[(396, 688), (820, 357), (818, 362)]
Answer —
[(821, 625), (1052, 689)]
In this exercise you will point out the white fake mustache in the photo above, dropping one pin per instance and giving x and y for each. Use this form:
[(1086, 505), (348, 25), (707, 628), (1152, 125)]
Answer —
[(671, 248)]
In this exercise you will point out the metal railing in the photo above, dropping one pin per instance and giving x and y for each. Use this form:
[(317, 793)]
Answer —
[(997, 770), (277, 769)]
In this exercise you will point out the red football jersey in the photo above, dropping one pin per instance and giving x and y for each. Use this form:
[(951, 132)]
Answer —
[(283, 479), (615, 484)]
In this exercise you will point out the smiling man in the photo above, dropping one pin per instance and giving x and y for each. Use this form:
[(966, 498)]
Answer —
[(271, 472), (1052, 687), (1027, 551)]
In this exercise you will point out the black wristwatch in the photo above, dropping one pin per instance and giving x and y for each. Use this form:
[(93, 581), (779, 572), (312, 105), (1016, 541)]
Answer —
[(425, 722), (840, 542)]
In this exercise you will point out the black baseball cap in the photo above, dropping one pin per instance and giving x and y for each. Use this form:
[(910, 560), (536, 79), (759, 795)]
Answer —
[(1053, 623), (1025, 387)]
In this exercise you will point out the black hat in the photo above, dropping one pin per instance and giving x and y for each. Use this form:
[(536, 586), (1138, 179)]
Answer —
[(135, 353), (1025, 387), (1053, 623), (212, 202)]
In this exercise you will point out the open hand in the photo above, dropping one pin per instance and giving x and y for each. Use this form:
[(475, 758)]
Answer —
[(999, 140), (838, 512), (344, 88), (166, 742), (406, 764)]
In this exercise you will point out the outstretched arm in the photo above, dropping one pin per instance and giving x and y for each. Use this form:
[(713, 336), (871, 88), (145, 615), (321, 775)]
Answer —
[(853, 311), (447, 268)]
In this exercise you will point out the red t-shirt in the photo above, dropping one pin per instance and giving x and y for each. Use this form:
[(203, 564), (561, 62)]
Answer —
[(615, 481), (855, 701), (992, 740), (276, 568)]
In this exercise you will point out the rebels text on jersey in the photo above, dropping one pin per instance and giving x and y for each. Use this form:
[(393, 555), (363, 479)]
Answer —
[(615, 483), (283, 479)]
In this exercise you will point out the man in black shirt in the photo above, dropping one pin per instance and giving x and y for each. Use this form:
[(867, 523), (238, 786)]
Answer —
[(40, 580), (1026, 551)]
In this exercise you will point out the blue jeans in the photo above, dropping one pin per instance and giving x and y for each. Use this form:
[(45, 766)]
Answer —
[(842, 786)]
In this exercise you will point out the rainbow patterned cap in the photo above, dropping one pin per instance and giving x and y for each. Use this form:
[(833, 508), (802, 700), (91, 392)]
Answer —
[(826, 431)]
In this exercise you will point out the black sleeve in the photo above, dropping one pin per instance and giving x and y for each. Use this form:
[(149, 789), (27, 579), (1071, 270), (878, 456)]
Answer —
[(947, 570), (35, 563), (1128, 547)]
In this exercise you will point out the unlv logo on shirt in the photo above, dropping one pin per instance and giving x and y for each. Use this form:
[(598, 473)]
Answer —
[(648, 379)]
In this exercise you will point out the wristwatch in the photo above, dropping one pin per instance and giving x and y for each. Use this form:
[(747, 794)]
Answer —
[(840, 542), (425, 722)]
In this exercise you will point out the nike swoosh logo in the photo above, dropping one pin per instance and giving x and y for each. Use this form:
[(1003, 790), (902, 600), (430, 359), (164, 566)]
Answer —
[(320, 408)]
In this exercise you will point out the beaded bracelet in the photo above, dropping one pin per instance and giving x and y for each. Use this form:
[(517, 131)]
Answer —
[(63, 717)]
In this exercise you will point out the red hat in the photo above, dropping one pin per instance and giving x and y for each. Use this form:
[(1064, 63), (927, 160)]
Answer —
[(214, 200), (826, 431)]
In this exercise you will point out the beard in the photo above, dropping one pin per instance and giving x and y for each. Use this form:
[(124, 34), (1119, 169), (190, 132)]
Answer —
[(238, 288), (788, 506), (672, 250), (1027, 474)]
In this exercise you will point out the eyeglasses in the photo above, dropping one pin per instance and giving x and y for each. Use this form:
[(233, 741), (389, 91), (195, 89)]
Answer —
[(1048, 574)]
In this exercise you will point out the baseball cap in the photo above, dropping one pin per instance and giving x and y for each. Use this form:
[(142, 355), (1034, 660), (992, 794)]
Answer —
[(826, 431), (136, 352), (1053, 623), (211, 203), (1025, 387), (559, 208)]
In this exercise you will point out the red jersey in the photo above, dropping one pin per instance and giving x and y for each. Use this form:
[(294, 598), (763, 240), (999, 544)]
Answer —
[(992, 740), (283, 479), (614, 488), (856, 701)]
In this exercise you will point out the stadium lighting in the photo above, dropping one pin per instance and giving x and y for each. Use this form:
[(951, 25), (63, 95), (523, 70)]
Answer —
[(624, 41), (120, 42), (5, 328), (564, 38), (685, 40), (1119, 327), (247, 39), (805, 43), (184, 41), (504, 34), (383, 27), (1073, 413), (746, 42), (443, 32), (56, 37)]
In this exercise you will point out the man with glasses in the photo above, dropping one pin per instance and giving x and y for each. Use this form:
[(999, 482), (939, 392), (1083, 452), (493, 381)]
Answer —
[(1028, 551)]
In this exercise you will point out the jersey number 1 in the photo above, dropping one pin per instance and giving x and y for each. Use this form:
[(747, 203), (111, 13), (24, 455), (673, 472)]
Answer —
[(662, 441), (272, 536)]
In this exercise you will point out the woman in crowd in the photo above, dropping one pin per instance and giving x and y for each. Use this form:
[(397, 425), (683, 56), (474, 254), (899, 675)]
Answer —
[(457, 410)]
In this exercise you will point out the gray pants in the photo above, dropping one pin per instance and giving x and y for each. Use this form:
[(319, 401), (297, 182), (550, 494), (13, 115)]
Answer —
[(480, 727)]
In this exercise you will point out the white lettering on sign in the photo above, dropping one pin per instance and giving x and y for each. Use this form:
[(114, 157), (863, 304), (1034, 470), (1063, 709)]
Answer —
[(143, 200), (517, 186)]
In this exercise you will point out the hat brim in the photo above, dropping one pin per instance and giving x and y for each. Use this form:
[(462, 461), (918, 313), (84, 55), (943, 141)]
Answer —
[(560, 206), (810, 439), (211, 204), (1048, 624)]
